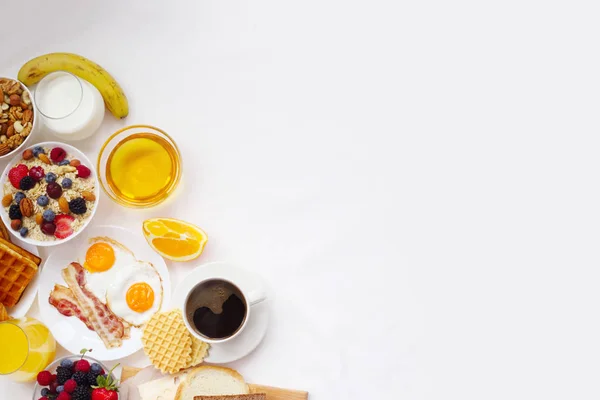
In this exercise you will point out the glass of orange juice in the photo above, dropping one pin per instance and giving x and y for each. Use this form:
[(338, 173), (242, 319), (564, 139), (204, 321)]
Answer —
[(26, 348), (139, 166)]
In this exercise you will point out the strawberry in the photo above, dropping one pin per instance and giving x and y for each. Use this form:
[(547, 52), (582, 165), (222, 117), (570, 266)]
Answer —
[(16, 174), (106, 388), (63, 226)]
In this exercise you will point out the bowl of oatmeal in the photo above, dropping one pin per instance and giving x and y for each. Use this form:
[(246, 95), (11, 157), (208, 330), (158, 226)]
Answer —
[(50, 193), (18, 117)]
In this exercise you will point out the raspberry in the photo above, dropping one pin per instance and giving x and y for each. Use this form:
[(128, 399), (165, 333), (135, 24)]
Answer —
[(37, 173), (57, 154), (83, 171), (26, 183), (16, 174), (63, 396), (77, 206), (54, 190), (82, 365), (44, 378), (70, 386)]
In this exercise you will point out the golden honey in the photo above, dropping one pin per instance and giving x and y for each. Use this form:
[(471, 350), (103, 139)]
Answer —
[(143, 168)]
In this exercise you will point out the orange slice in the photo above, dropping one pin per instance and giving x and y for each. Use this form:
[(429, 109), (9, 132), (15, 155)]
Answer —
[(175, 239)]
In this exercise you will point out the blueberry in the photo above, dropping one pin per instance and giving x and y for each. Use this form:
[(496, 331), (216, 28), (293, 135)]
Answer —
[(19, 196), (43, 200), (23, 231), (37, 150), (64, 162), (67, 363), (45, 392), (60, 388), (49, 215), (66, 183), (96, 368), (50, 177)]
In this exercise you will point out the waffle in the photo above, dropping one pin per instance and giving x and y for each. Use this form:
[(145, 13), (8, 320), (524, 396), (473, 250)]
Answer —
[(3, 313), (199, 351), (4, 232), (167, 342), (16, 271), (21, 251)]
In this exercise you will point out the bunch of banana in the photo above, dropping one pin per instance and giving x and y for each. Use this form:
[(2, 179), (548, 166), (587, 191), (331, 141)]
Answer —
[(112, 93)]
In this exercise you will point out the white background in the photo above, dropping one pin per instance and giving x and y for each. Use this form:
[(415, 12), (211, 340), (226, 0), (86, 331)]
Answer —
[(417, 180)]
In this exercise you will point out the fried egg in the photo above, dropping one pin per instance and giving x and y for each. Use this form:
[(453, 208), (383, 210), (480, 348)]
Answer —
[(132, 289), (136, 294)]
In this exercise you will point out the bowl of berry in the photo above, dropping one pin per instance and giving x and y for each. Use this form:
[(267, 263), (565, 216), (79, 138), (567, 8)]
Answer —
[(49, 194), (77, 377)]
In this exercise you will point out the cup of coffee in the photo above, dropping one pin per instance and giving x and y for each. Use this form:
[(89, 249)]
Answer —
[(217, 310)]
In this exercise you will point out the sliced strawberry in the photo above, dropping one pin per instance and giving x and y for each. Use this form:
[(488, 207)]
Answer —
[(63, 226), (16, 174)]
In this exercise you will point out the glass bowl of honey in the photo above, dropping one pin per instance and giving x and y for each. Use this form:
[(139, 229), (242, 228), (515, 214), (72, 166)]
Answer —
[(139, 166)]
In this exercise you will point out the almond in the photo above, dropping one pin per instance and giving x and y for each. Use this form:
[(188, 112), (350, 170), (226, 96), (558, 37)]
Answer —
[(88, 196), (74, 162), (15, 100), (26, 207), (44, 158), (39, 218), (15, 224), (27, 154), (6, 200), (63, 204), (10, 131), (4, 149)]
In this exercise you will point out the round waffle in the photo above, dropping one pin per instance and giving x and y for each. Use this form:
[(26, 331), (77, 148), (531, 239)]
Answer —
[(199, 351), (167, 342)]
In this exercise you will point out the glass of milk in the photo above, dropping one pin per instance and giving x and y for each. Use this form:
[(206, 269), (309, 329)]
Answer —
[(72, 108)]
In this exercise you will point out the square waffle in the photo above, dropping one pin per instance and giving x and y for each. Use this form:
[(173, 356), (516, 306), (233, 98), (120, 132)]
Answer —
[(167, 342), (4, 232), (21, 251), (16, 271)]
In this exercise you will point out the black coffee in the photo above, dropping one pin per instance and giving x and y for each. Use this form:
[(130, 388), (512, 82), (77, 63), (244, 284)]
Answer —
[(219, 309)]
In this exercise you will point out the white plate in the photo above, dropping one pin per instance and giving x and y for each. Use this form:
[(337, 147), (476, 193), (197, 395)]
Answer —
[(256, 327), (73, 153), (70, 332), (28, 296)]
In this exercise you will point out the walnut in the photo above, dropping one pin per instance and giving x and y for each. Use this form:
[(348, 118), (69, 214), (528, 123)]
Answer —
[(15, 113), (14, 141), (11, 87)]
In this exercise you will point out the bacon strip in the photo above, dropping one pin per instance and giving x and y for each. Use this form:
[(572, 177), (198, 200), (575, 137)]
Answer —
[(106, 324), (64, 301)]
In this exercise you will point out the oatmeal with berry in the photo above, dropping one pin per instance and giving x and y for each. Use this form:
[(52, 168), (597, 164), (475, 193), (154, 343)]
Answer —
[(48, 195)]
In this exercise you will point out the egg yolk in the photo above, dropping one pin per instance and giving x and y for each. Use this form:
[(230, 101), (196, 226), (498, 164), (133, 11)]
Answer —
[(99, 257), (140, 297)]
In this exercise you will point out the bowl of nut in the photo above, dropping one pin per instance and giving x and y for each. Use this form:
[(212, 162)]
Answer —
[(18, 119), (50, 193)]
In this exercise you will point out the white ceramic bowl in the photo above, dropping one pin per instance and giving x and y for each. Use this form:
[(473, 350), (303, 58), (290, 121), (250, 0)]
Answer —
[(73, 153), (34, 129)]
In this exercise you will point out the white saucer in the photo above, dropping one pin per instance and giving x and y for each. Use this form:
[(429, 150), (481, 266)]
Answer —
[(70, 332), (20, 309), (256, 327)]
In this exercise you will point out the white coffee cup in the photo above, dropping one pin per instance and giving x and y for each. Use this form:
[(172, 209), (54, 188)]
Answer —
[(203, 290)]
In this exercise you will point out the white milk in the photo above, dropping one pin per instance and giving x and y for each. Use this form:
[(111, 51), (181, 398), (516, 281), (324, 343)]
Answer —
[(73, 108)]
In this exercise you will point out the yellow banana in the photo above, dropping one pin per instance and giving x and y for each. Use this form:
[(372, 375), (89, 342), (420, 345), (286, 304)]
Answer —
[(112, 93)]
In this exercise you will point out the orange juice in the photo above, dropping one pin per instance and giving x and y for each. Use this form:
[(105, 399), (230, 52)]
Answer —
[(29, 347), (13, 347), (142, 168)]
